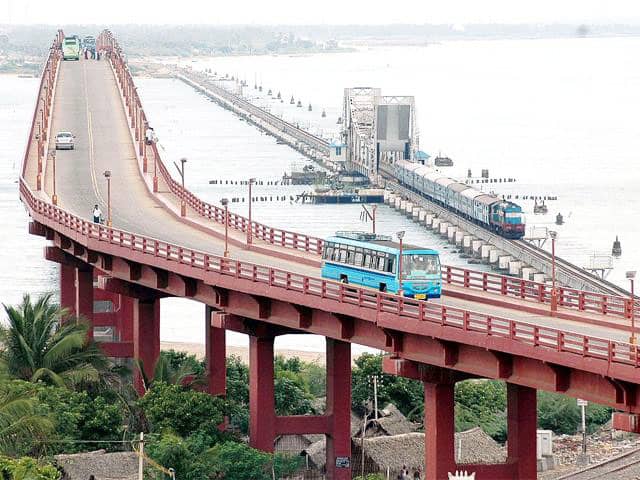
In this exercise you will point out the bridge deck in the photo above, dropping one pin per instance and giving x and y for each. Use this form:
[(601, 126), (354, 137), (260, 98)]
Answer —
[(88, 103)]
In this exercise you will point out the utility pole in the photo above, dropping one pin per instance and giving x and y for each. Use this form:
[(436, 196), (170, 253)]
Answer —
[(375, 396), (141, 457)]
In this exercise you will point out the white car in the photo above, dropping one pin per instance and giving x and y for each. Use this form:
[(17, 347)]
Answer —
[(65, 140)]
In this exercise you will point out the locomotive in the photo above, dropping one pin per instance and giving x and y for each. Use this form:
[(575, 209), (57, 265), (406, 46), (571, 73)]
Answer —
[(488, 210)]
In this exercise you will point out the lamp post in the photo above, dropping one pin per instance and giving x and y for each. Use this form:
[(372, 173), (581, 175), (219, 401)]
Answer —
[(400, 236), (225, 204), (183, 205), (54, 198), (554, 293), (631, 275), (250, 226), (107, 175)]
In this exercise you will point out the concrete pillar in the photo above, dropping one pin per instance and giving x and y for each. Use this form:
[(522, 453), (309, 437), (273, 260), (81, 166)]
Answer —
[(443, 227), (388, 196), (466, 242), (459, 237), (215, 354), (493, 256), (338, 408), (422, 216), (408, 209), (476, 245), (485, 250), (403, 205), (416, 213), (526, 272), (146, 337), (428, 219), (503, 262), (84, 296), (439, 430), (435, 224), (451, 231), (521, 430), (262, 410), (514, 267), (68, 288), (539, 277), (398, 203)]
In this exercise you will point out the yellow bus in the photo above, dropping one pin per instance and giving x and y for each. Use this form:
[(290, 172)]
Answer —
[(71, 48)]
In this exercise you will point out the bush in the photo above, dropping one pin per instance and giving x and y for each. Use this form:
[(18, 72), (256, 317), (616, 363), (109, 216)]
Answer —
[(176, 409), (562, 415), (26, 468), (76, 416)]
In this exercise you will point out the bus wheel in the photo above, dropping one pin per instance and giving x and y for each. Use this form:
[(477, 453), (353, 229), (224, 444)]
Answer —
[(344, 279)]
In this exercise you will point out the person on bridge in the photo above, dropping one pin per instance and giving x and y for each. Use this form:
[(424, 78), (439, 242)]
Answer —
[(97, 214), (150, 136)]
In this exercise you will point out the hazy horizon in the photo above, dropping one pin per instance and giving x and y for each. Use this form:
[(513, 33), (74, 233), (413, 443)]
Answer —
[(330, 12)]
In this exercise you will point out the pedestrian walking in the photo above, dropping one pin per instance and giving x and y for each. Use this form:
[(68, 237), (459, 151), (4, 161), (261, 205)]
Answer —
[(417, 474)]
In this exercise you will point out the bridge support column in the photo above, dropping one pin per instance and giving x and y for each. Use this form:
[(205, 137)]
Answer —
[(146, 337), (338, 410), (68, 287), (262, 411), (84, 296), (522, 421), (215, 352), (439, 430)]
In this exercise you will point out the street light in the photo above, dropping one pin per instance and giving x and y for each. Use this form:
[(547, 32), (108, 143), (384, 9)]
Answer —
[(554, 293), (183, 205), (54, 198), (250, 226), (225, 204), (400, 236), (631, 275), (107, 175)]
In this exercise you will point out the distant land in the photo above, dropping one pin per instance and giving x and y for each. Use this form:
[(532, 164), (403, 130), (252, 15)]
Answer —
[(22, 47)]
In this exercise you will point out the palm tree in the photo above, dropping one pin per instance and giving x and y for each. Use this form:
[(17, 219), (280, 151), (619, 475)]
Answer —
[(19, 419), (37, 346), (165, 372)]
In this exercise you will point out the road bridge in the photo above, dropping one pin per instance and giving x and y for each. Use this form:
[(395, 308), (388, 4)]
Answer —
[(164, 241)]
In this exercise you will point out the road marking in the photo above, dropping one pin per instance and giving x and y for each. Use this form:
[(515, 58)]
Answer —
[(92, 169)]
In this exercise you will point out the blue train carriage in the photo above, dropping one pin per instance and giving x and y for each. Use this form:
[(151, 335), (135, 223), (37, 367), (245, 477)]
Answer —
[(372, 261), (507, 220)]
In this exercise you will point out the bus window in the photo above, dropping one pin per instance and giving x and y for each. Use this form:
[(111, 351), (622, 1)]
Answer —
[(391, 265), (381, 262), (343, 256), (367, 260), (420, 264), (358, 259), (328, 253)]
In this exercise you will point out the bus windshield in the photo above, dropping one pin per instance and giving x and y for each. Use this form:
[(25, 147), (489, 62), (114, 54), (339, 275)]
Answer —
[(418, 265)]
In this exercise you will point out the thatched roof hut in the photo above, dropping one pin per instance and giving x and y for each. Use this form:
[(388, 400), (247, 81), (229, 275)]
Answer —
[(391, 421), (100, 464), (394, 452), (295, 444)]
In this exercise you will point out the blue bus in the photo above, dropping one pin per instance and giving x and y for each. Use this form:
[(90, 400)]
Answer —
[(372, 261)]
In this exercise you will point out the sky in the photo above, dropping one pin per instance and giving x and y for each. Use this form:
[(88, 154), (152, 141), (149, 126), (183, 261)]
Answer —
[(293, 12)]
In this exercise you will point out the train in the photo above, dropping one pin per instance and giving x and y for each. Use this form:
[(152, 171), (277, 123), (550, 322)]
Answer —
[(485, 209)]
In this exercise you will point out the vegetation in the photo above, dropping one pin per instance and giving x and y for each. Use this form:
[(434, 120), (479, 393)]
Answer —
[(44, 343), (57, 394), (26, 468)]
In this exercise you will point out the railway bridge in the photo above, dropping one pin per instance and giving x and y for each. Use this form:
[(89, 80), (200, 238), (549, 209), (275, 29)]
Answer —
[(164, 241)]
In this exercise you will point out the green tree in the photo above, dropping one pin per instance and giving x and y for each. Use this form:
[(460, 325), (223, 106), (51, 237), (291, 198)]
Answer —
[(37, 347), (562, 415), (174, 368), (26, 468), (74, 416), (482, 403), (404, 393), (19, 420), (237, 461), (177, 409)]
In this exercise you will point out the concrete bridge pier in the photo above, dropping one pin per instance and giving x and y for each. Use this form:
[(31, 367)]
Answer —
[(439, 424), (265, 425), (215, 355)]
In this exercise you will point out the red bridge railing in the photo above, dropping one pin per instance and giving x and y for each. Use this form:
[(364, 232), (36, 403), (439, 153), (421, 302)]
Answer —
[(370, 302)]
